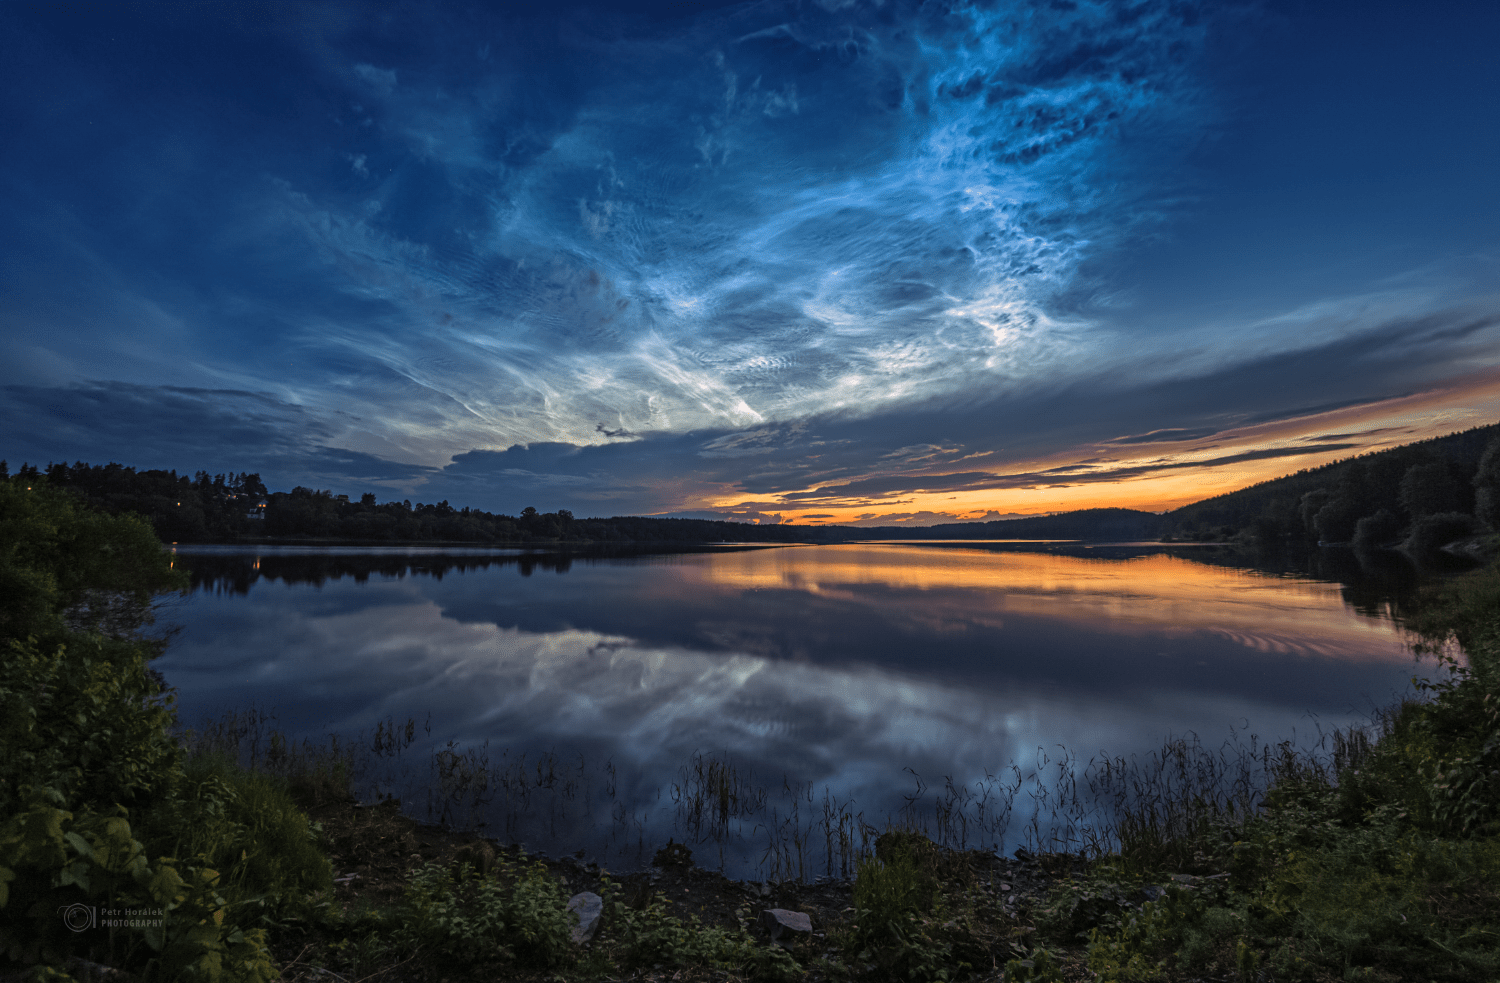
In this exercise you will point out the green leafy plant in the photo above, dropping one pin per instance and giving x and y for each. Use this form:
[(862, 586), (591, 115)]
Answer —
[(516, 914), (901, 929), (650, 936), (92, 777)]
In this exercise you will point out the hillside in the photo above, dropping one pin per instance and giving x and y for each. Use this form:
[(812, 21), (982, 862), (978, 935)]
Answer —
[(1391, 492), (1098, 525)]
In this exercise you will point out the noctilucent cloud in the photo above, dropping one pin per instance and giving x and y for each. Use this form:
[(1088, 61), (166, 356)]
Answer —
[(823, 261)]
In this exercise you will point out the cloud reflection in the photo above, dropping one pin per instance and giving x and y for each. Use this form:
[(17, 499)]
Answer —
[(837, 666)]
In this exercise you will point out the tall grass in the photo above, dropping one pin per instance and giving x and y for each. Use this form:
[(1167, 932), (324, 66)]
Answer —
[(1155, 809), (258, 837)]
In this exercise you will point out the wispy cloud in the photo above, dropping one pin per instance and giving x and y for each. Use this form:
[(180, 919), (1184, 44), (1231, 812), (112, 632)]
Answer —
[(763, 260)]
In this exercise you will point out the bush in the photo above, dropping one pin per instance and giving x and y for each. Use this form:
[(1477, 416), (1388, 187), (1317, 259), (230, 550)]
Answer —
[(1379, 529), (245, 823), (1432, 532), (517, 915), (901, 926), (651, 937), (94, 798)]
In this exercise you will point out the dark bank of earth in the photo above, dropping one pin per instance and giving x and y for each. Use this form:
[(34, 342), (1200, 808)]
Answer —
[(376, 849)]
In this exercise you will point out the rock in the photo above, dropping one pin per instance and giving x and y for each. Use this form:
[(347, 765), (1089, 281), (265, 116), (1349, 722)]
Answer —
[(587, 906), (779, 923)]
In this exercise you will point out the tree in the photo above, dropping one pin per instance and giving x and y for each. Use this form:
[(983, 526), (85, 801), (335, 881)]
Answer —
[(1308, 507), (1335, 521), (1433, 532), (1376, 530), (57, 554), (1432, 487), (1486, 486)]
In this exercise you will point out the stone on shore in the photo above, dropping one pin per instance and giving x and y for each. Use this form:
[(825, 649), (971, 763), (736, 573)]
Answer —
[(588, 906), (779, 923)]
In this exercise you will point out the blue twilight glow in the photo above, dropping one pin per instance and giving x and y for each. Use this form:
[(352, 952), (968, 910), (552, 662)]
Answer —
[(766, 259)]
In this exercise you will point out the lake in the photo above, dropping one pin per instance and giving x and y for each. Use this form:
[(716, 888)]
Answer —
[(819, 691)]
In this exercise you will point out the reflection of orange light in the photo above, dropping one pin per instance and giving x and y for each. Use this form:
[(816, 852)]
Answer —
[(1152, 594)]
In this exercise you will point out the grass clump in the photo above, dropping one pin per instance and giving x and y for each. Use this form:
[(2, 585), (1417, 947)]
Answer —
[(912, 913), (248, 825)]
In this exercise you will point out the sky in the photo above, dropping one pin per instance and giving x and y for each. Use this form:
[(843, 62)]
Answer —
[(837, 261)]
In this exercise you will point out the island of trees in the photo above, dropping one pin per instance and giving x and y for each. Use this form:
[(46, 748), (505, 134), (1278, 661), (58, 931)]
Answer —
[(1421, 495)]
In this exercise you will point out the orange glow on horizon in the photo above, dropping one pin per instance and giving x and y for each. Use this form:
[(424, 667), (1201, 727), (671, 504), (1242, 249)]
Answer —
[(1169, 475)]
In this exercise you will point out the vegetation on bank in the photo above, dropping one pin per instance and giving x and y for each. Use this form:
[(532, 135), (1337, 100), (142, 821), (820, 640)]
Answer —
[(1386, 867), (113, 847), (120, 847)]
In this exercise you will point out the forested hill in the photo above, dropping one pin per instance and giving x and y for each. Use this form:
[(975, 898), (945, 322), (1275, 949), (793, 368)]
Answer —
[(1098, 525), (1433, 488)]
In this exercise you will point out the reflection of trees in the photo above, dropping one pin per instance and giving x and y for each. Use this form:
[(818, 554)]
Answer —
[(235, 573)]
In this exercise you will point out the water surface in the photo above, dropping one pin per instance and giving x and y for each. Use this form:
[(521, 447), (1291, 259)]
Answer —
[(833, 669)]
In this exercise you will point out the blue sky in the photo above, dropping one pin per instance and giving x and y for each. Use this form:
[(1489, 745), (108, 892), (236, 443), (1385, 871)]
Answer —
[(777, 261)]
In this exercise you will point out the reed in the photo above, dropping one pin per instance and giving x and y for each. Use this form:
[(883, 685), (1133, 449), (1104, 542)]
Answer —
[(1157, 809)]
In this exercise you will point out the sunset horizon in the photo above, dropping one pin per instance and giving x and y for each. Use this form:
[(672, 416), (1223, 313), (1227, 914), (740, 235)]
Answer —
[(807, 263)]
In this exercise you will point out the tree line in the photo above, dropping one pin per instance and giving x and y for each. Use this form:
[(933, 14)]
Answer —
[(238, 506), (1422, 494)]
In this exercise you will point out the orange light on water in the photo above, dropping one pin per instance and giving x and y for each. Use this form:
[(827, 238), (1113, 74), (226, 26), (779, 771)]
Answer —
[(1158, 594)]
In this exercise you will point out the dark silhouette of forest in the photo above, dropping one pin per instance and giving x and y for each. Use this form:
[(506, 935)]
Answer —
[(1420, 495)]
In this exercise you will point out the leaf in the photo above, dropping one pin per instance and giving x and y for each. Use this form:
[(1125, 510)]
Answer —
[(84, 848)]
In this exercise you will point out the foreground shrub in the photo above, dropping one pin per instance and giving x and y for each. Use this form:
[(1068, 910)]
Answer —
[(903, 928), (514, 915), (109, 851), (248, 825), (650, 937)]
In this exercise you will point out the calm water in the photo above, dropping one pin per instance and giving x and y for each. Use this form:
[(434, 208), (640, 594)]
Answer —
[(824, 672)]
